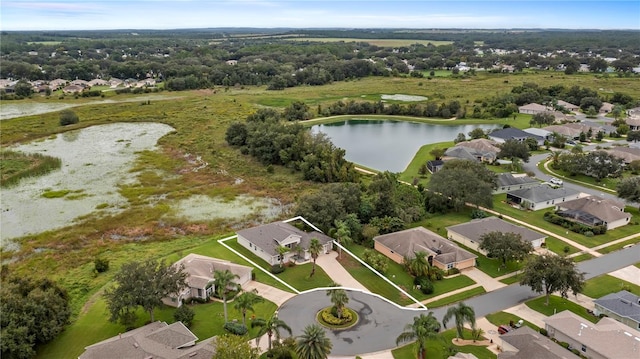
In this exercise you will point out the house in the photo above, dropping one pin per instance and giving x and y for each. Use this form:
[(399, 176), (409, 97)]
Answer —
[(633, 123), (441, 253), (568, 106), (547, 135), (479, 149), (73, 89), (626, 154), (526, 343), (508, 182), (622, 306), (540, 197), (435, 165), (462, 153), (264, 240), (98, 82), (200, 280), (82, 83), (533, 108), (511, 133), (607, 339), (115, 82), (469, 233), (606, 107), (585, 127), (595, 211), (567, 132), (157, 340)]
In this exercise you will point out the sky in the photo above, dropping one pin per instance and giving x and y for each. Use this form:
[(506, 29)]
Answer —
[(180, 14)]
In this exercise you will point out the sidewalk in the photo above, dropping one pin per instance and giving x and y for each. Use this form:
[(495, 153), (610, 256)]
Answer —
[(268, 292), (486, 281), (336, 271)]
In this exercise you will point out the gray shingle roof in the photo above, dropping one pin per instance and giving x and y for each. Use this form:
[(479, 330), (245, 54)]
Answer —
[(510, 133), (507, 179), (531, 344), (623, 303), (478, 227), (417, 239), (543, 193), (268, 236), (201, 269), (605, 209)]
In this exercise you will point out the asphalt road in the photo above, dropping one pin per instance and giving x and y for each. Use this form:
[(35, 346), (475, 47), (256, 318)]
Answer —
[(381, 322)]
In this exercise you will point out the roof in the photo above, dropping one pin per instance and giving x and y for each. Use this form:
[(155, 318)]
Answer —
[(156, 340), (201, 269), (567, 105), (563, 130), (543, 193), (607, 210), (531, 344), (533, 107), (609, 338), (508, 179), (623, 303), (420, 239), (461, 152), (479, 227), (480, 145), (537, 131), (633, 121), (268, 236), (627, 154), (510, 133)]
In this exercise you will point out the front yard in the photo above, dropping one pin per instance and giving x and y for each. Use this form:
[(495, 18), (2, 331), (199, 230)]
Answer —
[(557, 305)]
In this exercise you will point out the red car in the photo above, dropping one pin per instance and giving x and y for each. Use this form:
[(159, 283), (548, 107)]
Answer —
[(504, 329)]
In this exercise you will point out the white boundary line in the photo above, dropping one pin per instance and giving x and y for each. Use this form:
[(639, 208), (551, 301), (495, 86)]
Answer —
[(369, 293)]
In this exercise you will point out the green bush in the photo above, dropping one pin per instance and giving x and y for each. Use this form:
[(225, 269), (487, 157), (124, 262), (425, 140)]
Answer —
[(68, 117), (331, 319), (543, 332), (588, 234), (453, 271), (185, 315), (235, 328), (425, 284), (478, 213), (101, 265), (277, 269), (376, 260)]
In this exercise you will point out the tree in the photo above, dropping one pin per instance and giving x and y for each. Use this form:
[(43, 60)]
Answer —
[(505, 246), (424, 328), (437, 153), (514, 148), (551, 273), (419, 265), (23, 89), (477, 133), (282, 250), (587, 102), (270, 327), (461, 313), (68, 117), (313, 343), (142, 284), (543, 119), (338, 297), (184, 314), (245, 302), (462, 181), (633, 136), (33, 312), (297, 111), (629, 189), (315, 248), (460, 138), (234, 347), (222, 280), (343, 235)]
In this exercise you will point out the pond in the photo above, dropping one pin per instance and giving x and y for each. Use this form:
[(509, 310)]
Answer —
[(388, 145)]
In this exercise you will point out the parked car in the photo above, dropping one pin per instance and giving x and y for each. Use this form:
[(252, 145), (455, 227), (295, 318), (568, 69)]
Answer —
[(504, 329), (556, 181)]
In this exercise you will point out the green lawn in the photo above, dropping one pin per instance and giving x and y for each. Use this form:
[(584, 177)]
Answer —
[(438, 222), (456, 297), (557, 305), (443, 348), (500, 318), (297, 276), (511, 280), (94, 326), (558, 247), (421, 157), (605, 284), (620, 245)]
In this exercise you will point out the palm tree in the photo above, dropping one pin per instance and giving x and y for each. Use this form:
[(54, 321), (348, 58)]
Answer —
[(313, 343), (245, 302), (419, 265), (281, 252), (343, 235), (270, 327), (315, 248), (461, 313), (424, 327), (223, 280), (339, 298)]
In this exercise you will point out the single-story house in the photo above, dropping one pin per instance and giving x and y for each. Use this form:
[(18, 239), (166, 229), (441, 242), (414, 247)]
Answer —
[(540, 197), (607, 339), (479, 150), (623, 306), (526, 343), (547, 135), (568, 106), (511, 133), (57, 83), (462, 153), (606, 107), (441, 253), (508, 182), (626, 154), (98, 82), (73, 89), (633, 111), (157, 340), (200, 280), (567, 132), (435, 165), (469, 233), (633, 123), (264, 240), (595, 211), (533, 108), (82, 83)]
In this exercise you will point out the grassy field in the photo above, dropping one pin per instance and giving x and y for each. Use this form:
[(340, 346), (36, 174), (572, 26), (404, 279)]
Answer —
[(375, 42), (557, 305), (504, 318), (456, 297), (443, 348), (605, 284)]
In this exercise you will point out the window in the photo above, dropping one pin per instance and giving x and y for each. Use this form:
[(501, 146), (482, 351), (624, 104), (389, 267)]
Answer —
[(584, 348), (450, 266)]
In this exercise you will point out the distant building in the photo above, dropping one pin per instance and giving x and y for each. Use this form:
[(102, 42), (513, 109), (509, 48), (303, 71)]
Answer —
[(622, 306), (508, 182), (511, 133), (533, 108), (469, 234)]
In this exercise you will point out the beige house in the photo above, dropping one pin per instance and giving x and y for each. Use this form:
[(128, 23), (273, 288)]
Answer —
[(469, 234), (607, 339), (201, 271), (526, 343), (533, 108), (595, 211), (569, 106), (441, 253)]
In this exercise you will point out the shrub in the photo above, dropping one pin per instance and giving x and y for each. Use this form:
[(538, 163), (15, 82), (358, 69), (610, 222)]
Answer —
[(543, 332), (564, 345), (68, 117), (101, 265), (376, 260), (453, 271), (331, 319), (588, 234), (478, 213), (425, 284), (235, 328), (277, 269), (185, 315)]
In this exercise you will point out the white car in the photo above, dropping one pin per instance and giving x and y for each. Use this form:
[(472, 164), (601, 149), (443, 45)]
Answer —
[(555, 181)]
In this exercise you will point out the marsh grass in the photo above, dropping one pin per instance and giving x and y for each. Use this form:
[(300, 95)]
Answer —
[(14, 166)]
